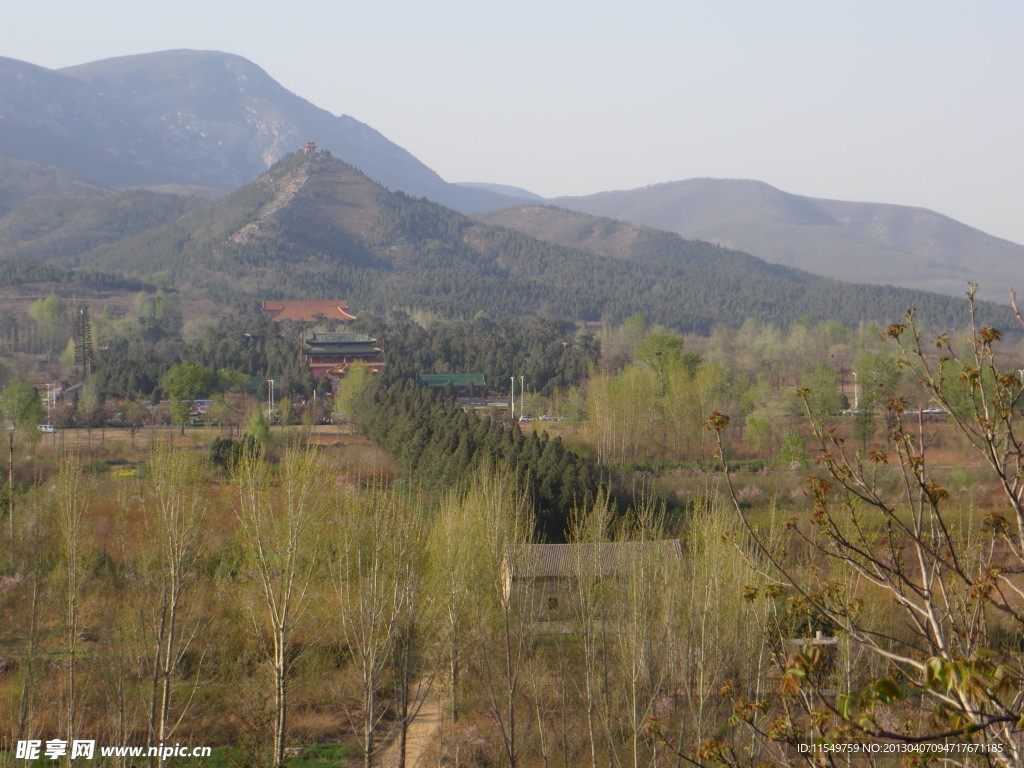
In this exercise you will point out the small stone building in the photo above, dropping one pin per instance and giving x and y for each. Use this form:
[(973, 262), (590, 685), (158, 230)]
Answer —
[(545, 578)]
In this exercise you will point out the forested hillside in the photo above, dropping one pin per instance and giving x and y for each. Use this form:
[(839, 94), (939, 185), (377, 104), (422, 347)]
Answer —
[(21, 179), (313, 227), (47, 214), (63, 228)]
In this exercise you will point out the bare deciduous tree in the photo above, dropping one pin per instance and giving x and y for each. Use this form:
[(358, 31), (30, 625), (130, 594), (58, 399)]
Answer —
[(591, 529), (377, 574), (891, 529), (281, 527), (72, 496), (499, 540), (174, 515)]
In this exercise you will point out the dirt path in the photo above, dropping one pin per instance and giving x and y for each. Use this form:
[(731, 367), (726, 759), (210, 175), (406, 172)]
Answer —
[(421, 737)]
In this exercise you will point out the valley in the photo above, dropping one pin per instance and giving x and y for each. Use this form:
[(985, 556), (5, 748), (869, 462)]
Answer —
[(315, 458)]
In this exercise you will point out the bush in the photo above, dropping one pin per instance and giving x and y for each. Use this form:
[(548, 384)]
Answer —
[(225, 452)]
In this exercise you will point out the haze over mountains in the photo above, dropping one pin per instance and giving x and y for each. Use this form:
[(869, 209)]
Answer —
[(190, 117), (856, 242), (182, 120)]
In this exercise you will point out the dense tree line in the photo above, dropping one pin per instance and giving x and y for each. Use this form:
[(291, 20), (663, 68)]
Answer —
[(549, 354), (254, 345), (22, 272), (145, 348), (441, 446)]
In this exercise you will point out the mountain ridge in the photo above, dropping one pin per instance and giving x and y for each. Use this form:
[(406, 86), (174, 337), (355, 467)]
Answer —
[(853, 241), (314, 227), (190, 117), (196, 120)]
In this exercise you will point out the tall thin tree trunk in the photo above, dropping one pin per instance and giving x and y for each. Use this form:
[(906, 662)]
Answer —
[(280, 695), (167, 671), (27, 679), (511, 676), (154, 734), (369, 703), (72, 502), (455, 681)]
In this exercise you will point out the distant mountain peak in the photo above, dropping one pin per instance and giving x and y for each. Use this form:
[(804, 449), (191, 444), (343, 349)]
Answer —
[(191, 117)]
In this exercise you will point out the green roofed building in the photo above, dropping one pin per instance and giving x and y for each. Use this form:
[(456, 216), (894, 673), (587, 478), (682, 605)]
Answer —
[(330, 354), (460, 382)]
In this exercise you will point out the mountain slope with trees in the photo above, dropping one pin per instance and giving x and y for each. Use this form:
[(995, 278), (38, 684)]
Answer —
[(314, 227), (216, 120), (211, 119), (47, 213), (21, 179)]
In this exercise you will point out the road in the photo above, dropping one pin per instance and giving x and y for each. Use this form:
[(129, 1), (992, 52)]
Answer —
[(421, 738)]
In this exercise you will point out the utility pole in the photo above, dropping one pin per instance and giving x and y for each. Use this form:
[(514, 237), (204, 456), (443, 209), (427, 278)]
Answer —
[(84, 352), (52, 389), (10, 483)]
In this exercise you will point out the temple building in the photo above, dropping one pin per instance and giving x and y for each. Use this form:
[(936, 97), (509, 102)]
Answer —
[(307, 311), (461, 383), (330, 354)]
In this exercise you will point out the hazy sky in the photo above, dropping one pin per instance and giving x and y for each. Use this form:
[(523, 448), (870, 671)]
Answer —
[(917, 102)]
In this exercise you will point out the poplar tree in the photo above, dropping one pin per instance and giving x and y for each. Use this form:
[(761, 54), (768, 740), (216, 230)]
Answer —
[(280, 525), (377, 586), (174, 516), (72, 502)]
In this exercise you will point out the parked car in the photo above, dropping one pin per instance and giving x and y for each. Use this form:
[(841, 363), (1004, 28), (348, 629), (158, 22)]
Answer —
[(525, 419), (48, 429)]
